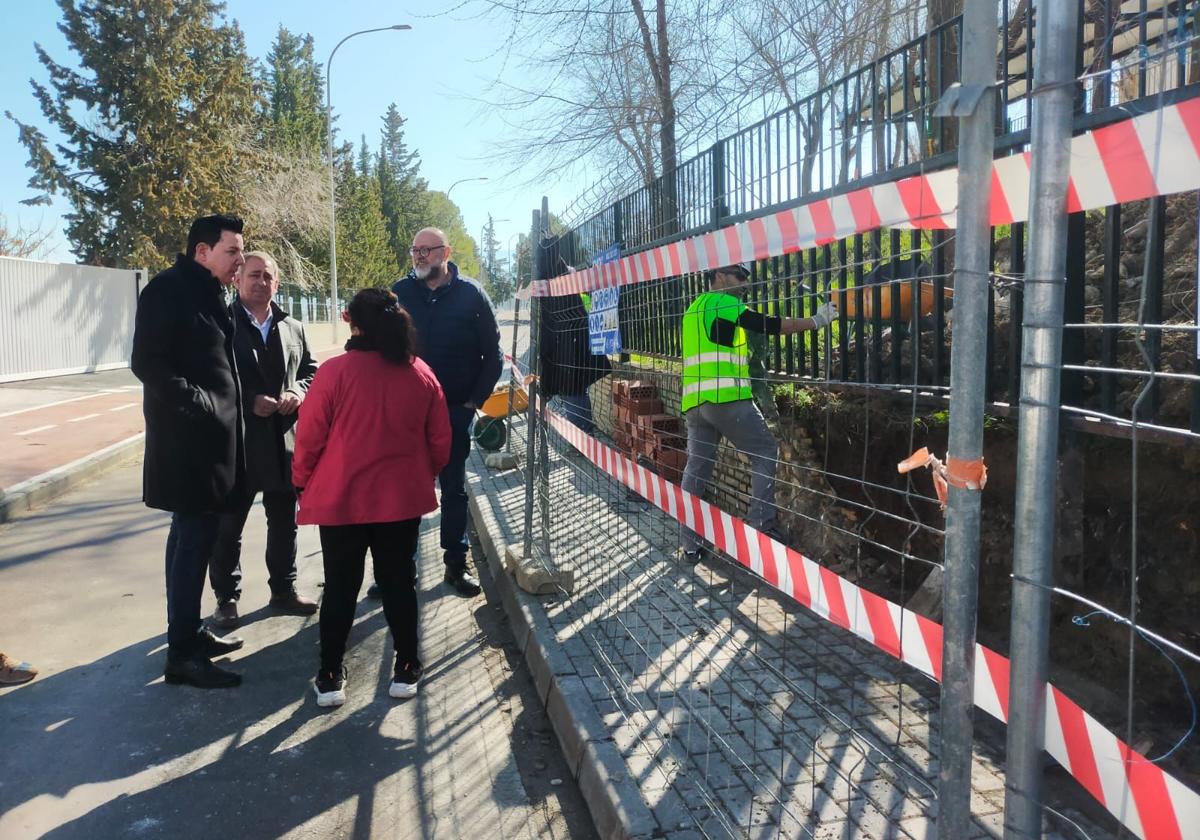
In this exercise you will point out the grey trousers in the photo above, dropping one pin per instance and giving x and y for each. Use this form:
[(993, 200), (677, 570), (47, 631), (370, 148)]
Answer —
[(743, 425)]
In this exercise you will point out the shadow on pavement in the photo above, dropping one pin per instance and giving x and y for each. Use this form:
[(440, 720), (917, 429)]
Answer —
[(107, 749)]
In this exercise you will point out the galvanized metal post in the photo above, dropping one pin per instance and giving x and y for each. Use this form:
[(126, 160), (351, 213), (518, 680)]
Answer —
[(968, 381), (1053, 98), (514, 373), (531, 417), (543, 440)]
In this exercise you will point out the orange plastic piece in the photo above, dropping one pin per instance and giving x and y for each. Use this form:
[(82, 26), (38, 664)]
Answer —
[(965, 475)]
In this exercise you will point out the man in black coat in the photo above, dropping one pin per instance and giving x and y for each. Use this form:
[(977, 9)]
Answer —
[(274, 370), (194, 463), (458, 337)]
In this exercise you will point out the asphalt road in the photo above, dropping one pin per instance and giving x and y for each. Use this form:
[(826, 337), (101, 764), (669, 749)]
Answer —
[(99, 746)]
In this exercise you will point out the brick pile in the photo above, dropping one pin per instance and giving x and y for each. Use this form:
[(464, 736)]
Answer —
[(642, 429)]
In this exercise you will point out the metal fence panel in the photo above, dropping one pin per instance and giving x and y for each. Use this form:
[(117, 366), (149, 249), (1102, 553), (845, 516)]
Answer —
[(57, 319)]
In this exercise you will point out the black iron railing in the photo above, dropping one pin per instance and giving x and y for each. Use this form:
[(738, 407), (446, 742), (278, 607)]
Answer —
[(893, 287)]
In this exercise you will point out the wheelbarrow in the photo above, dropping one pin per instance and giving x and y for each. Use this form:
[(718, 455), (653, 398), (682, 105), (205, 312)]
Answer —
[(491, 431)]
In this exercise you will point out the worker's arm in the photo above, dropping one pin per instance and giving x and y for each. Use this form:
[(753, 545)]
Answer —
[(757, 322)]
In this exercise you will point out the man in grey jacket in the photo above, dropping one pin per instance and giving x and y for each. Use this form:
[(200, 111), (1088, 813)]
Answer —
[(275, 369)]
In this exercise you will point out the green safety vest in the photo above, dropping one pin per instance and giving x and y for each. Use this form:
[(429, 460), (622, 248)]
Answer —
[(712, 372), (586, 299)]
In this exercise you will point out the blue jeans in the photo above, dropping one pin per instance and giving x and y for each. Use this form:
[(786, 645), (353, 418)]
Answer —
[(452, 481), (189, 545), (578, 409)]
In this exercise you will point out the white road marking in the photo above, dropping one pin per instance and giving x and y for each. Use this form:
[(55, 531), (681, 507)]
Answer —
[(84, 417), (36, 430), (51, 404), (123, 407)]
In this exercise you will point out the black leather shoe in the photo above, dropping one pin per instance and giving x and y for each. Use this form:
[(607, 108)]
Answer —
[(212, 645), (198, 671), (462, 583), (373, 591)]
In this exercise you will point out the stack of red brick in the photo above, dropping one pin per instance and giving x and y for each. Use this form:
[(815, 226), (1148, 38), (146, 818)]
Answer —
[(642, 429)]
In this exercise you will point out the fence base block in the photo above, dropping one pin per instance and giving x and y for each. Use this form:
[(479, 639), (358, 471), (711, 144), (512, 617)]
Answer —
[(534, 577), (501, 461)]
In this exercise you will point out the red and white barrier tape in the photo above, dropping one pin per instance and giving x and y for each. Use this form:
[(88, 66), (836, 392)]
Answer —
[(1146, 800), (1149, 155)]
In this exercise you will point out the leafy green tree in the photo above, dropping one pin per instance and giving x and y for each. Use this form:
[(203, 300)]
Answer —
[(364, 256), (149, 124), (443, 213)]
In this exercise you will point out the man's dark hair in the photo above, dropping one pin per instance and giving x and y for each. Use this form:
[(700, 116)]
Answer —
[(207, 229)]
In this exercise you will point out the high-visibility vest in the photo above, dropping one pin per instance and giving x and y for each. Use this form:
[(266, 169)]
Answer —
[(713, 372), (586, 300)]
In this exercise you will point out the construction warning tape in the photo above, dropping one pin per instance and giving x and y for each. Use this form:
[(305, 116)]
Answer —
[(1153, 154)]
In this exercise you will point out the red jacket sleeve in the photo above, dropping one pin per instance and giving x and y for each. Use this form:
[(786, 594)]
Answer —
[(437, 430), (312, 430)]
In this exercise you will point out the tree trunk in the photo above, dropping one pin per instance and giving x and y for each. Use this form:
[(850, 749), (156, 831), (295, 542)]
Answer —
[(943, 71), (656, 47)]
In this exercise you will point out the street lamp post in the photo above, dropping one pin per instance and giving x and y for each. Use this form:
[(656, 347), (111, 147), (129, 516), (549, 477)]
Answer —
[(334, 313)]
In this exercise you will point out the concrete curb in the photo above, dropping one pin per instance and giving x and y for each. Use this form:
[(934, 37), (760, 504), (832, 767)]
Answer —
[(614, 800), (50, 485)]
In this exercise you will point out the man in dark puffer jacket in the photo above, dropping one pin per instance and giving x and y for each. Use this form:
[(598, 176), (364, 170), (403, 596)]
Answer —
[(458, 337)]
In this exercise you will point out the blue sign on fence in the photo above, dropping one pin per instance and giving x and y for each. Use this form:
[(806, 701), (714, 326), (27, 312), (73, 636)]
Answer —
[(604, 328)]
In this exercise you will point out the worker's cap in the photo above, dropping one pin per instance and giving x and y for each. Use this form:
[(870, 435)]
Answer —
[(740, 269)]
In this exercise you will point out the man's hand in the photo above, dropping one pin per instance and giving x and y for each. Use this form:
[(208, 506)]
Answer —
[(824, 316), (289, 402), (265, 406)]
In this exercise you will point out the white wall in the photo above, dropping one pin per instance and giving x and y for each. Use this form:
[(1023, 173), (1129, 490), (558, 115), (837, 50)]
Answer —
[(57, 319)]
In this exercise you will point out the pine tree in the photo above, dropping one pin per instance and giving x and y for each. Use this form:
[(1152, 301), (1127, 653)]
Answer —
[(364, 257), (295, 113), (401, 160), (286, 185), (402, 190), (364, 159), (149, 123)]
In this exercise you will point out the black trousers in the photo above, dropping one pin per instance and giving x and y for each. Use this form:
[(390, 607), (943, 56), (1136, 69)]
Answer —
[(393, 552), (452, 481), (189, 545), (225, 568)]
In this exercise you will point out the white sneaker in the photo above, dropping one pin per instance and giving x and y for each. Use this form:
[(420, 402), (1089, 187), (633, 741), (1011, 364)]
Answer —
[(330, 688), (404, 682)]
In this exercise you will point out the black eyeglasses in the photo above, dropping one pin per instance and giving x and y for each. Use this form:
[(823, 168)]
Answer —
[(425, 252)]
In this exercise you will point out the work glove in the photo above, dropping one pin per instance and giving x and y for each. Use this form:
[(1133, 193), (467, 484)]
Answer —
[(824, 315)]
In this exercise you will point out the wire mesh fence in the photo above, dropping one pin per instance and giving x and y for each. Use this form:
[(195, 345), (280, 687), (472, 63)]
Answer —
[(706, 665)]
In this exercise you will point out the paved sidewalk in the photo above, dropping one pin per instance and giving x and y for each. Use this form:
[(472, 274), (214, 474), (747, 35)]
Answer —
[(98, 746), (735, 713)]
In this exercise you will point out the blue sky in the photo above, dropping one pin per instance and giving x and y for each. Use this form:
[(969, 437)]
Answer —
[(429, 73)]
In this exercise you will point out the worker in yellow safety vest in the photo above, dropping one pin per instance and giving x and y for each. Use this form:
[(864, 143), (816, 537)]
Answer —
[(716, 390)]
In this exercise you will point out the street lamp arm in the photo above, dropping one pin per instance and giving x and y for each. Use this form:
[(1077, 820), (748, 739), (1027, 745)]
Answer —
[(462, 181), (399, 26)]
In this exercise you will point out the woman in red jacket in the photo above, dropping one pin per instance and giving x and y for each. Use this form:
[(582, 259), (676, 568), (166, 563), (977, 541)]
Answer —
[(372, 437)]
